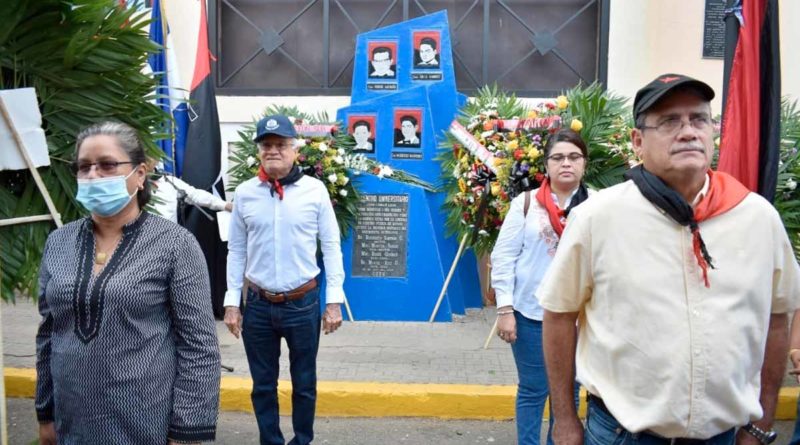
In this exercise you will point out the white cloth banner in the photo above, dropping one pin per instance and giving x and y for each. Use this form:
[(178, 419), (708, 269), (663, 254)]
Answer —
[(24, 112)]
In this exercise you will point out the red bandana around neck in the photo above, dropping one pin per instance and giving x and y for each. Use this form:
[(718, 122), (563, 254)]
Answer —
[(276, 184), (724, 193), (556, 215)]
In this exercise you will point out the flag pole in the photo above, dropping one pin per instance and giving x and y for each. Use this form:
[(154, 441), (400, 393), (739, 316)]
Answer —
[(449, 276)]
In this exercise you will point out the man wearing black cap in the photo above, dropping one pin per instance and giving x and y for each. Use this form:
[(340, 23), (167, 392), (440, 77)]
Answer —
[(680, 280), (272, 245)]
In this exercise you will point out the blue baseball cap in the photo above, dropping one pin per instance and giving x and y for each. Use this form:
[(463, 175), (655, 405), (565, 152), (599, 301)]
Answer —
[(276, 124)]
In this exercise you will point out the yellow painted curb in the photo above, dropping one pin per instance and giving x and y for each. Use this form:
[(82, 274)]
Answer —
[(370, 399), (20, 382)]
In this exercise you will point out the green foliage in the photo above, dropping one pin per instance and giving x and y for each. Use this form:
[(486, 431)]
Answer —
[(606, 130), (787, 196), (85, 59)]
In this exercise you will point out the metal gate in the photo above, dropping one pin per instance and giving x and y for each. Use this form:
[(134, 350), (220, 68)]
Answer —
[(306, 47)]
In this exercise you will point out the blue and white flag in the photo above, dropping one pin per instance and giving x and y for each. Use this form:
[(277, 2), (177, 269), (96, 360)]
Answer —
[(169, 96)]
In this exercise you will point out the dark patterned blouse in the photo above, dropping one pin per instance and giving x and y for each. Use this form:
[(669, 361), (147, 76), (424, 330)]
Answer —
[(129, 356)]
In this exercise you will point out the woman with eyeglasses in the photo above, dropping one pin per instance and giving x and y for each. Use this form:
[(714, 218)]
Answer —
[(126, 350), (525, 246)]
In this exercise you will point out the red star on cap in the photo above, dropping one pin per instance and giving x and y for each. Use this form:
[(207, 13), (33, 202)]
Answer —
[(669, 79)]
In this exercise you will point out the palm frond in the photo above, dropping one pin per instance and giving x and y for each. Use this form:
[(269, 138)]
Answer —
[(86, 66)]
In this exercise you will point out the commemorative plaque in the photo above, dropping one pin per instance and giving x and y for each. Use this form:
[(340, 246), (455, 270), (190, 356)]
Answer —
[(714, 30), (381, 237)]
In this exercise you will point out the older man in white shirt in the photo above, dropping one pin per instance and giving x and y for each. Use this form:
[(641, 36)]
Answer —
[(680, 280), (272, 246)]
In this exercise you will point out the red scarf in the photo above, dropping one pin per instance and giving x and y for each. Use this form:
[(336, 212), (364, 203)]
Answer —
[(558, 217), (276, 184), (724, 193)]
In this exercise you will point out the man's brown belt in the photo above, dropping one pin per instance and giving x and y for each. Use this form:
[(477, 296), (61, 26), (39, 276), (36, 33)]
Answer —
[(282, 297)]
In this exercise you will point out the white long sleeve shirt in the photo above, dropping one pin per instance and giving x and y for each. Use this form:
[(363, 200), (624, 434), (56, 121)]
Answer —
[(273, 242), (522, 254), (167, 194)]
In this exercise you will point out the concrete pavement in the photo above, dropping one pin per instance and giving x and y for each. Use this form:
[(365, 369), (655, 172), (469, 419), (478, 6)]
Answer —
[(366, 369)]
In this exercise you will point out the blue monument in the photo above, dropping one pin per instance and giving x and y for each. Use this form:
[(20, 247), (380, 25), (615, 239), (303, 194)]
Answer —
[(403, 100)]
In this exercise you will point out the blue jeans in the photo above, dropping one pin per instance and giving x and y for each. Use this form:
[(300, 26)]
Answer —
[(603, 429), (263, 327), (533, 389), (796, 436)]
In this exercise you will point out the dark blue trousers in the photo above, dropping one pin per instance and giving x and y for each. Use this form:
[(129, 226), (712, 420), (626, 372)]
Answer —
[(263, 327)]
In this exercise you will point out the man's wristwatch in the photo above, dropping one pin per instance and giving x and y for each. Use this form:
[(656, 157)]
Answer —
[(765, 437)]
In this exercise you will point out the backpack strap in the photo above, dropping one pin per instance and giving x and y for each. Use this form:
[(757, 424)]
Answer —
[(527, 203)]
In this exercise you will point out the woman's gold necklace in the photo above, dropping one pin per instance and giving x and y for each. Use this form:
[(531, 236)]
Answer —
[(102, 257)]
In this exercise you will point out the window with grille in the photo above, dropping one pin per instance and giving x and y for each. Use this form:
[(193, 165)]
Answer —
[(306, 47)]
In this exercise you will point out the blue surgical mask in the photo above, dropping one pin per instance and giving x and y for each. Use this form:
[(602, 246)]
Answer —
[(104, 196)]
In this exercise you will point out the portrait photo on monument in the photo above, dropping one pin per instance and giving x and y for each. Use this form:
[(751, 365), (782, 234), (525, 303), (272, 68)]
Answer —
[(362, 128), (407, 127), (382, 60), (426, 49)]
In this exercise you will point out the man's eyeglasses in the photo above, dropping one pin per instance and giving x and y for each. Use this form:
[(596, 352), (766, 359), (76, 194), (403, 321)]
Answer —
[(282, 146), (559, 158), (672, 126), (104, 168)]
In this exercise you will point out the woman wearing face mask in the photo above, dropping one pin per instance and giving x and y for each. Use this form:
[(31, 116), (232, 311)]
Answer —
[(525, 246), (126, 350)]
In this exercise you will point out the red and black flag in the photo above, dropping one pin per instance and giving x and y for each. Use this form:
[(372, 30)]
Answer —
[(749, 149), (202, 162)]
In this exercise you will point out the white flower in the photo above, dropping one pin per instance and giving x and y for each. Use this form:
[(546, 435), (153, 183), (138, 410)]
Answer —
[(341, 151), (386, 171), (791, 184), (483, 233), (300, 142), (323, 146), (333, 178), (251, 161), (487, 133), (338, 160), (343, 192)]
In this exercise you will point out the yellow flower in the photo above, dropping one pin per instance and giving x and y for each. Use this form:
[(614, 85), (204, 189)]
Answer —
[(482, 141), (462, 185), (496, 189), (513, 145), (532, 114), (534, 153), (576, 125), (562, 102)]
